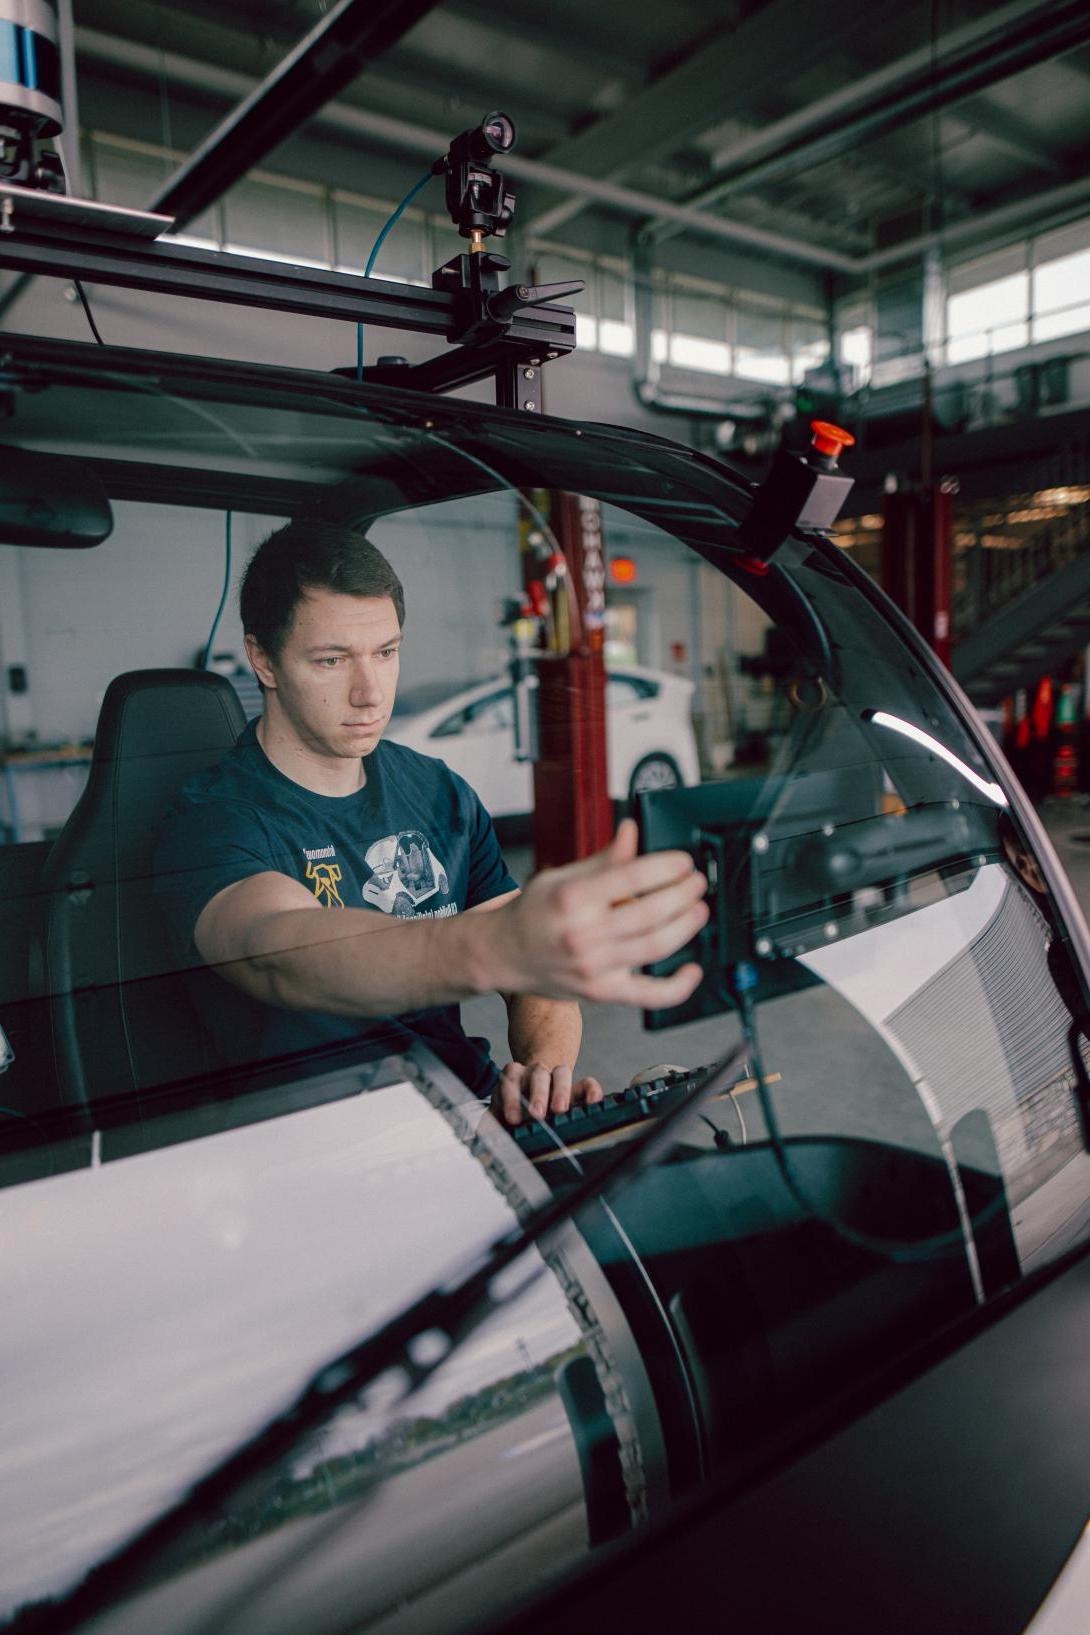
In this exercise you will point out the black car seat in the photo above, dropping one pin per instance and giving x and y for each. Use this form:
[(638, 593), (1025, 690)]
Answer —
[(120, 1014)]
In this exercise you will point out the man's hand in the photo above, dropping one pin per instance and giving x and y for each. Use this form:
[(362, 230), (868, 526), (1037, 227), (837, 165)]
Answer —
[(583, 931), (539, 1090)]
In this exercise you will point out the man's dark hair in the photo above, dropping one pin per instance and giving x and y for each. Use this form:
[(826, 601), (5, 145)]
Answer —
[(310, 556)]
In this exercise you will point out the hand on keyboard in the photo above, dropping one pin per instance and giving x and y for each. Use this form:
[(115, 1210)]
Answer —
[(603, 1118), (533, 1090)]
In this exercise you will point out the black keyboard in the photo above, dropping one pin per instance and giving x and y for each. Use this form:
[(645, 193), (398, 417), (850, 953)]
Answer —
[(540, 1139)]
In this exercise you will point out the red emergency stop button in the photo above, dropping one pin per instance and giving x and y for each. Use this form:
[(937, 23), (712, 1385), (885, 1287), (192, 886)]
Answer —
[(829, 439)]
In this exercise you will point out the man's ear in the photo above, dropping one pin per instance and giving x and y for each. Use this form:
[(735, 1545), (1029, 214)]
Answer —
[(259, 661)]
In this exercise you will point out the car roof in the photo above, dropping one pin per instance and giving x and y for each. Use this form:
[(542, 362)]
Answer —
[(423, 696)]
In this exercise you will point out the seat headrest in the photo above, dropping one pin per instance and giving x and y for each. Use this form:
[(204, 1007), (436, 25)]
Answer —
[(176, 712)]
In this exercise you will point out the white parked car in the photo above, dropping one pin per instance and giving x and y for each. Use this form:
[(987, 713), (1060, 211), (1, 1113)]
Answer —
[(650, 743)]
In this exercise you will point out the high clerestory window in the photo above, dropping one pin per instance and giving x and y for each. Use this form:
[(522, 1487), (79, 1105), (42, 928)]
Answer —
[(987, 305), (1030, 292), (1027, 294), (697, 325), (1061, 282)]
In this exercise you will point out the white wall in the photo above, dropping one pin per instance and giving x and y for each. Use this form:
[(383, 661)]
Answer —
[(147, 597), (457, 563)]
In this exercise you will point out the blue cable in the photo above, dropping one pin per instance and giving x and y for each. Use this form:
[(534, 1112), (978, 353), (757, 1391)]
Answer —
[(223, 599), (373, 257)]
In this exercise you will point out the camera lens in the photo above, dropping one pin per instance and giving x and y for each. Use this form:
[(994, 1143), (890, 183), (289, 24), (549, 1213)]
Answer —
[(498, 131)]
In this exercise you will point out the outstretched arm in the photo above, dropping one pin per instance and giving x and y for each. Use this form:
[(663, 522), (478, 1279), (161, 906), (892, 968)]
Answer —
[(581, 931)]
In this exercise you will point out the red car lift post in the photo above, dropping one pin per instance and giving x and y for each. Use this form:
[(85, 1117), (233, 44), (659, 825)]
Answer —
[(573, 814)]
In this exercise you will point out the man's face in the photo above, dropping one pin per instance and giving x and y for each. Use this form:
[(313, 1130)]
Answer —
[(333, 684)]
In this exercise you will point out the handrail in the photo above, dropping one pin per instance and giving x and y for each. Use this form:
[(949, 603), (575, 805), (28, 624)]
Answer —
[(992, 577)]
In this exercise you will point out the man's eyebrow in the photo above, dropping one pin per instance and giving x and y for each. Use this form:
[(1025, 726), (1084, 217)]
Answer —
[(341, 647)]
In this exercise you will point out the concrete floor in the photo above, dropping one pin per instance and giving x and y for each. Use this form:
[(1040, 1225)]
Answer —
[(1068, 823)]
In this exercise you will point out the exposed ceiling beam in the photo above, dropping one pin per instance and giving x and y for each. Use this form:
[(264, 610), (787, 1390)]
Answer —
[(592, 36), (400, 80), (333, 54), (773, 44), (978, 230), (995, 47), (1007, 132), (399, 136)]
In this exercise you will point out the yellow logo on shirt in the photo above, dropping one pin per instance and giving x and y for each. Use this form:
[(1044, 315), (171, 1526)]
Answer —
[(325, 877)]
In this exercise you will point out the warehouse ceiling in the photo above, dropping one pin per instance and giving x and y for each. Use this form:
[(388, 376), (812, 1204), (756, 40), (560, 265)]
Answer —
[(843, 138)]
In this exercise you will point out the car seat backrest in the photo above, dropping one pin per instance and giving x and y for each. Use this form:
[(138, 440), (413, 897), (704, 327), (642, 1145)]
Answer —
[(122, 1016)]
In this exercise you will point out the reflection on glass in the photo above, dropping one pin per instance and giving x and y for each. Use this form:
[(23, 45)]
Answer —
[(882, 718), (199, 1230)]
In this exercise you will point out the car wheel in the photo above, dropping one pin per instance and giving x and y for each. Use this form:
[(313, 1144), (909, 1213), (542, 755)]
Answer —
[(653, 773)]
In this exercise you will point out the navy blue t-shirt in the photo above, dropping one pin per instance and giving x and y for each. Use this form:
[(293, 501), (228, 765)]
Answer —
[(413, 843)]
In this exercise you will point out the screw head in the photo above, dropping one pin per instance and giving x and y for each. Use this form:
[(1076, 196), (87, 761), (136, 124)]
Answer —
[(528, 374), (530, 406)]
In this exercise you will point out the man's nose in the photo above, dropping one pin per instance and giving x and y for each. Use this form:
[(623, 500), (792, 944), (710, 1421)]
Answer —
[(366, 686)]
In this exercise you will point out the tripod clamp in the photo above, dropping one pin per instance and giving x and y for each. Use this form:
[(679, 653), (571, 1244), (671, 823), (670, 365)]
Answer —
[(487, 312)]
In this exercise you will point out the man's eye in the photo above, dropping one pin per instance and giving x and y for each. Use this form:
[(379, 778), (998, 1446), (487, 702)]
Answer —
[(387, 652), (329, 662)]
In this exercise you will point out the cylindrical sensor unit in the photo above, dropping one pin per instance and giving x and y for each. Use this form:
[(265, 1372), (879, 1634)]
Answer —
[(30, 67)]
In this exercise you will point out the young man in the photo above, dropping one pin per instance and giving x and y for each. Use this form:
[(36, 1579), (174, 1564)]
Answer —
[(355, 888)]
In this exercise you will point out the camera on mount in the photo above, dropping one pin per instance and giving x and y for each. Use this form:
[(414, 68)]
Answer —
[(479, 200), (497, 326), (481, 203)]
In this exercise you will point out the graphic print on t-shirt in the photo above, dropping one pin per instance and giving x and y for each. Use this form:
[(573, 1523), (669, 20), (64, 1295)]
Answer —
[(325, 877), (405, 873)]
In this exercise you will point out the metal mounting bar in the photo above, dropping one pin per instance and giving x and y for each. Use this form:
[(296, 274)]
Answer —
[(333, 54), (515, 356), (169, 269)]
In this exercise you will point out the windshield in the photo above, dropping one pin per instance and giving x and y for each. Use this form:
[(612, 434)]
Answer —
[(215, 1194)]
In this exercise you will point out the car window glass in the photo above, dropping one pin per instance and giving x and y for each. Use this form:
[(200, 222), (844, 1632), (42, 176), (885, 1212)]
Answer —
[(621, 690), (493, 714), (451, 725), (895, 1142), (177, 1329)]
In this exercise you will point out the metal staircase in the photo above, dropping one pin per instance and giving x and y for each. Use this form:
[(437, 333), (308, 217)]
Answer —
[(1022, 592)]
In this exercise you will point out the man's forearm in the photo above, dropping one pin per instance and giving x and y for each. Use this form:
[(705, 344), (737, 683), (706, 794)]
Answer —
[(581, 931), (358, 963), (544, 1030)]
